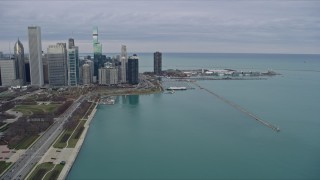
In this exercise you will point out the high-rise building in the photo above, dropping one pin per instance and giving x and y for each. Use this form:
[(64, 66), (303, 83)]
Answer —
[(70, 43), (157, 63), (35, 53), (73, 66), (19, 62), (8, 72), (45, 66), (57, 64), (90, 63), (108, 76), (133, 69), (124, 64), (86, 74), (1, 55), (97, 51)]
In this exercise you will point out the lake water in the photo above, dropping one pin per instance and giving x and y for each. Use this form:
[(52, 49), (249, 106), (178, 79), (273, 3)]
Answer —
[(193, 135)]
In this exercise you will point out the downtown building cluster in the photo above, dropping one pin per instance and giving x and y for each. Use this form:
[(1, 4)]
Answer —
[(61, 66)]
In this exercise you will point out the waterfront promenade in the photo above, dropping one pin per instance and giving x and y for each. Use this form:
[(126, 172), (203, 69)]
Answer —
[(76, 149), (33, 155), (68, 155)]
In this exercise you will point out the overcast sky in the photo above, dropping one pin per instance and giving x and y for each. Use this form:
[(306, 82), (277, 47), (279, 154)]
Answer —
[(240, 26)]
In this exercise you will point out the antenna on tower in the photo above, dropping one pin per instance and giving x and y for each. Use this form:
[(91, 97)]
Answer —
[(9, 50)]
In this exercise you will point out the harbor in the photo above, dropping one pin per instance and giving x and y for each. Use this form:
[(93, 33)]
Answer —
[(107, 100)]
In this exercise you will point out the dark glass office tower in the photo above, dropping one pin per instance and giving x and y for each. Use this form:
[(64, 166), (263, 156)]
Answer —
[(157, 63), (19, 62), (133, 69)]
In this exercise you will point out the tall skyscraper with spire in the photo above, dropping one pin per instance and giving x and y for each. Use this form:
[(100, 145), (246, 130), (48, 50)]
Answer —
[(19, 62), (97, 52), (35, 56)]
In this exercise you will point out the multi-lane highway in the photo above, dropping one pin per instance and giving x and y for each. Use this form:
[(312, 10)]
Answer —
[(25, 163)]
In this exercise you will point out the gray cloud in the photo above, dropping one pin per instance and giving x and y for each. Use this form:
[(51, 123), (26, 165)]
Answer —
[(286, 26)]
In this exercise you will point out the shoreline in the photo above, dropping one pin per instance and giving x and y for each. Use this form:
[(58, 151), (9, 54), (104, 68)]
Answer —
[(69, 164)]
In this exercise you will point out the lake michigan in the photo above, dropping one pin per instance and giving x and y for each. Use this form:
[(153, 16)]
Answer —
[(194, 135)]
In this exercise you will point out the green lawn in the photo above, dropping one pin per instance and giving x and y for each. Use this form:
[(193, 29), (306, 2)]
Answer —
[(3, 166), (33, 109), (75, 136), (26, 142), (4, 128), (62, 141), (54, 174), (40, 171)]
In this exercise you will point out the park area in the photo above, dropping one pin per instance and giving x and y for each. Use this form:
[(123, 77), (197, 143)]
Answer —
[(29, 110), (46, 171), (70, 137), (4, 165)]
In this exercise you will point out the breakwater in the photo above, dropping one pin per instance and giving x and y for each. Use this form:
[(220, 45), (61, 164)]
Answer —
[(255, 117)]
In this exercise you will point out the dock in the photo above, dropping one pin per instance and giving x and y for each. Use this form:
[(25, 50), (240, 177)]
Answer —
[(255, 117)]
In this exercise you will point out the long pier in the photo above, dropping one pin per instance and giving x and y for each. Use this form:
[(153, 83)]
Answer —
[(255, 117)]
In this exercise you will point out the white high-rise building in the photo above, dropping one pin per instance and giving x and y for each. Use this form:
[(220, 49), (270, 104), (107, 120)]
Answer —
[(124, 64), (108, 76), (8, 72), (73, 66), (86, 74), (91, 64), (57, 64), (35, 56)]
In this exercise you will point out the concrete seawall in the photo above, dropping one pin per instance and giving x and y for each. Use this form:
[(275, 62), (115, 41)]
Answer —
[(77, 148)]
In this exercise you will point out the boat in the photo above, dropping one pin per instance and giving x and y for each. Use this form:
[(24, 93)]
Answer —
[(176, 88), (170, 92)]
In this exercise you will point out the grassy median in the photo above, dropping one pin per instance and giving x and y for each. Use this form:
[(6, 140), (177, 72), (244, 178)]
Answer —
[(3, 166), (76, 135), (24, 143), (72, 141)]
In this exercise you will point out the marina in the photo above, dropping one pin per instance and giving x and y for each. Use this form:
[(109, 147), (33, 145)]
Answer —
[(108, 100)]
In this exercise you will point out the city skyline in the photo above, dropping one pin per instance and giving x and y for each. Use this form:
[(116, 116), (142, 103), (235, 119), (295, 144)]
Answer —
[(283, 26)]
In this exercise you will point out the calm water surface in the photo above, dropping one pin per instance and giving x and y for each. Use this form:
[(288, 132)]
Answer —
[(193, 135)]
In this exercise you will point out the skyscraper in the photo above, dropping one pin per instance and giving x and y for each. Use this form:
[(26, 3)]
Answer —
[(124, 64), (70, 43), (97, 51), (133, 69), (19, 62), (157, 63), (35, 53), (73, 66), (8, 72), (57, 64), (90, 63), (86, 74), (108, 76)]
